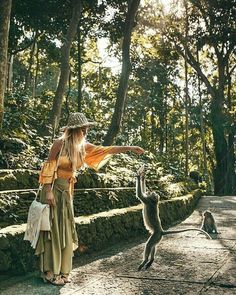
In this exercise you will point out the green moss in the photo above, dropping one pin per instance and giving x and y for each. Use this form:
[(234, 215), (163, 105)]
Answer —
[(18, 179), (5, 261), (8, 182)]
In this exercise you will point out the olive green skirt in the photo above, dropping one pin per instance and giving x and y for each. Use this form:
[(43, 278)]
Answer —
[(56, 247)]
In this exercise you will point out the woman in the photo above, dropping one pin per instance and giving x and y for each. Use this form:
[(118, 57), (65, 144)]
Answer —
[(67, 155)]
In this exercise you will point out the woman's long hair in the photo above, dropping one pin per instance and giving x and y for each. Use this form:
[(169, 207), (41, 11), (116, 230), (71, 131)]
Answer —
[(74, 147)]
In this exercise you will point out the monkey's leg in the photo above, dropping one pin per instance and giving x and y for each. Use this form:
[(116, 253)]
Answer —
[(208, 229), (152, 255), (153, 251), (215, 229), (203, 227), (151, 242)]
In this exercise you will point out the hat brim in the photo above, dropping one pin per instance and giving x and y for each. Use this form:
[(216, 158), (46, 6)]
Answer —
[(88, 124)]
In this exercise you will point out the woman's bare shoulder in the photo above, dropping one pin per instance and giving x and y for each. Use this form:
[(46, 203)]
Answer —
[(55, 149), (89, 147), (58, 142)]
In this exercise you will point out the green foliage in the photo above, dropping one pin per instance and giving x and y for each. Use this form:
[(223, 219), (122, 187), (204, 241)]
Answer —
[(24, 142), (154, 110), (161, 177)]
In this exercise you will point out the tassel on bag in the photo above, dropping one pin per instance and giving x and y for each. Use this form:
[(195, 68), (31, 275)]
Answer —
[(38, 219)]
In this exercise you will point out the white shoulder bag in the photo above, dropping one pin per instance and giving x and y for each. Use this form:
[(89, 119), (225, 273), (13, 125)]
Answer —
[(39, 215)]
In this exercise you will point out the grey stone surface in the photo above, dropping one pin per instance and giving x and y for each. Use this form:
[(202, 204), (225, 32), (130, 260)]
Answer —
[(185, 263)]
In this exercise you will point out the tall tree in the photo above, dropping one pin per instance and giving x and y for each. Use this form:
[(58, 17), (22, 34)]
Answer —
[(79, 74), (31, 61), (5, 12), (125, 72), (65, 66), (202, 129), (186, 29), (215, 38)]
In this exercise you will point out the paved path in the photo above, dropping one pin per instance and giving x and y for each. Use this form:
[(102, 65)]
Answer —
[(186, 263)]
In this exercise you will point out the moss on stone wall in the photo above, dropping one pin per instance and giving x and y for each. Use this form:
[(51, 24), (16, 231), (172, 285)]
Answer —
[(115, 176), (14, 206), (18, 179), (93, 201), (28, 179)]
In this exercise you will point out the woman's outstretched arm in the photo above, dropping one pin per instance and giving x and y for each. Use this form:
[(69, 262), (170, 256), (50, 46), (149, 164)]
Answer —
[(123, 149)]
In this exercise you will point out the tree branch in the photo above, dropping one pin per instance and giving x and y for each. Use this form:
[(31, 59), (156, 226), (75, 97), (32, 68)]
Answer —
[(194, 63)]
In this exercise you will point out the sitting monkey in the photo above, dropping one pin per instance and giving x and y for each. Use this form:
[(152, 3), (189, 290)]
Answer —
[(208, 223), (152, 220)]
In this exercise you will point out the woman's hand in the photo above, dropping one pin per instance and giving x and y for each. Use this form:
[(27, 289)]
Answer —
[(136, 149), (50, 198)]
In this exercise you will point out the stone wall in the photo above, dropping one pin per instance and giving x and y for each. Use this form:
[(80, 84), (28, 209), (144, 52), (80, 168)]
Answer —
[(94, 231), (14, 205), (18, 179), (25, 179)]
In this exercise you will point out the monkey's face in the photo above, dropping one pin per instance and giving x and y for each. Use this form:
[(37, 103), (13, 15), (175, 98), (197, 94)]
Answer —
[(207, 213)]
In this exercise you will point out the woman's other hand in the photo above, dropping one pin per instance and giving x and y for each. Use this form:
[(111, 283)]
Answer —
[(136, 149), (50, 200)]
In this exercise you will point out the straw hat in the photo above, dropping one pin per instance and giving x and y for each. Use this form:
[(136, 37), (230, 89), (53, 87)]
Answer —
[(77, 120)]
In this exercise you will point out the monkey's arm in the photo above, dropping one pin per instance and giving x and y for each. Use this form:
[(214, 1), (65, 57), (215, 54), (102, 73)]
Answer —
[(141, 173), (139, 190), (143, 184)]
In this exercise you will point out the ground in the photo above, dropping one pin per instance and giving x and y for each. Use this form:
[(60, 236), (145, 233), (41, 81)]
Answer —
[(186, 263)]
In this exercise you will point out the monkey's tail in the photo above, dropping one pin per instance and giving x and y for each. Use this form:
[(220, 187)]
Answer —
[(168, 232)]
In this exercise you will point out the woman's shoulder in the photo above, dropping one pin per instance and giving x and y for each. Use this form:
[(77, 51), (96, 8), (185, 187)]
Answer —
[(58, 141), (55, 149), (88, 146)]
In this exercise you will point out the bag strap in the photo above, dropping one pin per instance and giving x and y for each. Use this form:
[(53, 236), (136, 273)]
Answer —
[(52, 185)]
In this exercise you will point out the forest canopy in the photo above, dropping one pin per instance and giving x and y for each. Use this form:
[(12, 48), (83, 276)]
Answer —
[(158, 74)]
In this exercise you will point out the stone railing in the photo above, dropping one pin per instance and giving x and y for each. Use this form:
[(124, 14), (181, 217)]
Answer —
[(14, 204)]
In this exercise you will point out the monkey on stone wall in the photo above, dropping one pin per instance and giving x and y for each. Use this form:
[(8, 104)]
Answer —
[(195, 176), (152, 220)]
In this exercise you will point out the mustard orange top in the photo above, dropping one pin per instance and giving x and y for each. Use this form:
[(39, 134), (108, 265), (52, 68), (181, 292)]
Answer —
[(96, 157)]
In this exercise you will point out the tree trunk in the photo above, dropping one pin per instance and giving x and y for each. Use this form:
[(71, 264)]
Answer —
[(79, 70), (10, 73), (31, 62), (5, 12), (220, 146), (65, 66), (186, 133), (203, 136), (202, 129), (166, 135), (186, 95), (231, 175), (35, 84), (162, 133), (124, 77), (68, 95), (153, 129), (162, 121)]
